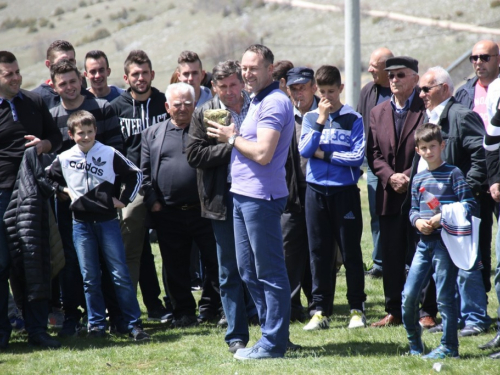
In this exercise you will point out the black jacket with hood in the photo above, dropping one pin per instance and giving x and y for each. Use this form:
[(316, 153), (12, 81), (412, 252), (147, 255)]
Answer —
[(136, 116)]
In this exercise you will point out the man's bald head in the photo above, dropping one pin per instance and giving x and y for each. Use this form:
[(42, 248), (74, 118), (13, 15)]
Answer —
[(486, 71), (377, 66)]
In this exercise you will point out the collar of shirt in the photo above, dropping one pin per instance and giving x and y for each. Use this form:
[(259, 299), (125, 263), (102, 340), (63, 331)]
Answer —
[(238, 118), (407, 103), (435, 114), (19, 95), (314, 105), (262, 94)]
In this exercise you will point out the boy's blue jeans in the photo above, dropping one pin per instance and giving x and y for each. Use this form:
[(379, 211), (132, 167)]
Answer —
[(432, 257), (89, 239)]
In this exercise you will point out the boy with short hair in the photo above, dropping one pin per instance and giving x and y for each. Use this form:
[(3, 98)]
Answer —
[(333, 139), (448, 185), (89, 170)]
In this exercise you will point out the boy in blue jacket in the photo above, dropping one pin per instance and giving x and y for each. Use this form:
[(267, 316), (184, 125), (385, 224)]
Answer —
[(333, 139)]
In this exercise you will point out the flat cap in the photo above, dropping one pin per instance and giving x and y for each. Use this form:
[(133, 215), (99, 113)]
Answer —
[(400, 62)]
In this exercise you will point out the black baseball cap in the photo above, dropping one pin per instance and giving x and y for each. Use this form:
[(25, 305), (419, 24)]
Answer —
[(299, 75)]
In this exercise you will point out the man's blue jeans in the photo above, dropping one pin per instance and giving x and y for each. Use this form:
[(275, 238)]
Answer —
[(259, 252), (237, 303), (5, 327), (497, 275), (432, 257), (89, 237), (472, 299), (372, 182)]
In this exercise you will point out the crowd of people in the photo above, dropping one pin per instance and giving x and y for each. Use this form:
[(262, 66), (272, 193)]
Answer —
[(256, 207)]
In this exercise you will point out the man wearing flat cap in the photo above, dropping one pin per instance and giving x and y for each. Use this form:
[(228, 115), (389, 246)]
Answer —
[(390, 151), (301, 87)]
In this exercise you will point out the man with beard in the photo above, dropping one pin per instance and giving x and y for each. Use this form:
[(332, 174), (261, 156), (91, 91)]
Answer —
[(138, 108)]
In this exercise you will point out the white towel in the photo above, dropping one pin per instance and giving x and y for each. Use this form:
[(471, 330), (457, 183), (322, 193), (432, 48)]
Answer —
[(460, 235)]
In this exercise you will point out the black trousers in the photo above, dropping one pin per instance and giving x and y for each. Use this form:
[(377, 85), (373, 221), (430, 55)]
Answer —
[(296, 251), (176, 230), (397, 239), (335, 216)]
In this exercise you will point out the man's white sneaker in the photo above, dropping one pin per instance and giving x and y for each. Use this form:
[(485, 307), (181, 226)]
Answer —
[(358, 319), (318, 321)]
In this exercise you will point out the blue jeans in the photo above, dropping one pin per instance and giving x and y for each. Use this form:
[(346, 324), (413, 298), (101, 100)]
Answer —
[(237, 303), (432, 257), (259, 253), (89, 237), (372, 182), (5, 327), (472, 299), (497, 274)]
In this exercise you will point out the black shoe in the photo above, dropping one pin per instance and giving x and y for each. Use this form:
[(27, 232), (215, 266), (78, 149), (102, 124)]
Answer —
[(70, 329), (298, 315), (96, 333), (235, 345), (138, 334), (222, 323), (161, 315), (495, 355), (291, 347), (471, 331), (254, 320), (493, 343), (185, 321), (376, 273), (206, 317), (4, 340), (44, 340), (436, 329), (118, 329)]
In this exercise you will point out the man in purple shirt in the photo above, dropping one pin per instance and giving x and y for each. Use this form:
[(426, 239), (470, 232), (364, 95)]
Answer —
[(258, 183)]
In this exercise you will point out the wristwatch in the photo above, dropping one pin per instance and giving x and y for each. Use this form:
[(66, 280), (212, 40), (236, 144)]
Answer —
[(232, 139)]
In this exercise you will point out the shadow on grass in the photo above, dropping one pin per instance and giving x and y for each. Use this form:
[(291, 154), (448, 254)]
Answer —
[(159, 334), (353, 349)]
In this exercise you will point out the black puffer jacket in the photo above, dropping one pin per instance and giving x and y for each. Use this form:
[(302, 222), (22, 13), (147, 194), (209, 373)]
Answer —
[(27, 225)]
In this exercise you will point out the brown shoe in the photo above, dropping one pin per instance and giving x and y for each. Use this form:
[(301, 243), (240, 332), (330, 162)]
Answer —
[(388, 320), (427, 322)]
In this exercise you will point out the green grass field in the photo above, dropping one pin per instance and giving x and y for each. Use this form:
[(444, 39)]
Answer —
[(202, 350)]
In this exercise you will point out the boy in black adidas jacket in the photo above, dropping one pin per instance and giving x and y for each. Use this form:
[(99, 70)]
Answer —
[(87, 173)]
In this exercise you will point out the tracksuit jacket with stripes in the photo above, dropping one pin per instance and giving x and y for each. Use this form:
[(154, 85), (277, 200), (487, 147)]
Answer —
[(342, 139), (91, 177)]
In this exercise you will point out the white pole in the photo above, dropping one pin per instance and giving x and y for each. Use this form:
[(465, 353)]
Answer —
[(352, 53)]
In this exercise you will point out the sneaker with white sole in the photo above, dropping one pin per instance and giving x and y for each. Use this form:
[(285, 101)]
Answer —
[(318, 321), (358, 319)]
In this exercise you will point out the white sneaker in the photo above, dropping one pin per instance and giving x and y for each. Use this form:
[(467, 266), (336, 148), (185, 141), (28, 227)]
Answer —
[(358, 319), (318, 321)]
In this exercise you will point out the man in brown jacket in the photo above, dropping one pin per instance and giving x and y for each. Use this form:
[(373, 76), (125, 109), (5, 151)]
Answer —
[(390, 152)]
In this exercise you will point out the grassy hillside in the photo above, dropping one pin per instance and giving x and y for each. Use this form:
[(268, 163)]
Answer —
[(221, 29)]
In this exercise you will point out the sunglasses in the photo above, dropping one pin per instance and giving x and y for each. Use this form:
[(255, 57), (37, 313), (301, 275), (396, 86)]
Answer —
[(483, 58), (426, 89), (400, 75)]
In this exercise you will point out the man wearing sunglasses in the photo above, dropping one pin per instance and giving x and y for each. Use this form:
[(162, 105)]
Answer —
[(390, 151), (463, 132), (485, 60)]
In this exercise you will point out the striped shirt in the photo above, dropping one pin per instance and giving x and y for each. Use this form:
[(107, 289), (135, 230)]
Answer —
[(448, 185)]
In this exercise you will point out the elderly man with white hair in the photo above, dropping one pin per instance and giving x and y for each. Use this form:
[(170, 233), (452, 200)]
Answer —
[(171, 198), (463, 132)]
